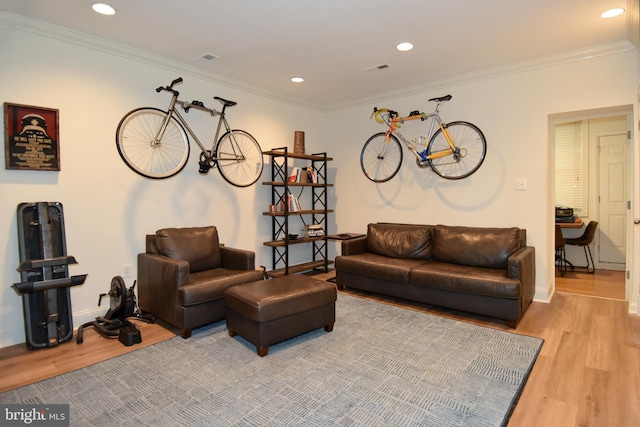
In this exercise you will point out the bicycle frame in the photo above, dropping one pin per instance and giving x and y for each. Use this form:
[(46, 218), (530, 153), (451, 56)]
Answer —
[(435, 118), (452, 150), (172, 111), (156, 143)]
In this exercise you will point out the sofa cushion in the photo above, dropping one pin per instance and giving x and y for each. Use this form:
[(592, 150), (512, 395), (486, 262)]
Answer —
[(479, 247), (199, 246), (399, 240), (210, 285), (378, 266), (490, 282)]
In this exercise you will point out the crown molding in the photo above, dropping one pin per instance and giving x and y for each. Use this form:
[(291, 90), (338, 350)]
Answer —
[(505, 70), (10, 21)]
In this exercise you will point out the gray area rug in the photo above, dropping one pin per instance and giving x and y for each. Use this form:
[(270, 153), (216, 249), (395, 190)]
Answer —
[(381, 366)]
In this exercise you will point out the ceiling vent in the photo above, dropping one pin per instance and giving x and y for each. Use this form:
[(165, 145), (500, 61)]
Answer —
[(378, 67), (205, 57)]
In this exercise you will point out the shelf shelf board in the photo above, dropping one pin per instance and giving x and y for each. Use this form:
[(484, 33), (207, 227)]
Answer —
[(303, 212), (298, 268), (296, 184), (281, 153), (281, 243)]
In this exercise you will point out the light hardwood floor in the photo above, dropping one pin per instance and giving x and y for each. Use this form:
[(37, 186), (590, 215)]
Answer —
[(587, 373), (604, 283)]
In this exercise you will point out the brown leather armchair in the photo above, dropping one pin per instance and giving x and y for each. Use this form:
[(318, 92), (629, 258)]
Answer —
[(185, 272)]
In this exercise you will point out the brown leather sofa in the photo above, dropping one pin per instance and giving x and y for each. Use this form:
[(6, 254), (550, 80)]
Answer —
[(487, 271), (185, 272)]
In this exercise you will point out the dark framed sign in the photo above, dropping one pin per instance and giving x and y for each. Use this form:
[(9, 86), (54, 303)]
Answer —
[(31, 138)]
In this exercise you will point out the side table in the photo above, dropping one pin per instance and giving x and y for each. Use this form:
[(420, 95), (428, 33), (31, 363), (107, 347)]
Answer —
[(342, 236)]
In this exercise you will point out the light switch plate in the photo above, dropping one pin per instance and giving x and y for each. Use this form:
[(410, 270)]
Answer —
[(520, 184)]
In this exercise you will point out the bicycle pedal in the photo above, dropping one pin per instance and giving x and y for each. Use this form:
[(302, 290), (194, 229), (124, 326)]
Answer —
[(204, 168)]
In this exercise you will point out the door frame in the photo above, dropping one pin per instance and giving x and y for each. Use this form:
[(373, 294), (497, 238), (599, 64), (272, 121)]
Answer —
[(631, 267)]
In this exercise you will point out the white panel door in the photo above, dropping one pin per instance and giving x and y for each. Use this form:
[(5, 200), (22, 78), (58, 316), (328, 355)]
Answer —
[(611, 139)]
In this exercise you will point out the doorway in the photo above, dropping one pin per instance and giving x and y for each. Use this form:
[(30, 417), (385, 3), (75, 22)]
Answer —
[(608, 187)]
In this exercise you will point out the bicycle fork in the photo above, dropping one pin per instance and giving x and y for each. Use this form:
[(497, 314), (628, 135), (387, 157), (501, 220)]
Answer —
[(172, 106)]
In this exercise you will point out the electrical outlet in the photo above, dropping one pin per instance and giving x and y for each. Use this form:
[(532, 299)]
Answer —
[(126, 270)]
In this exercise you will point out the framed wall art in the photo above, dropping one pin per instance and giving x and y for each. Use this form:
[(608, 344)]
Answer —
[(31, 138)]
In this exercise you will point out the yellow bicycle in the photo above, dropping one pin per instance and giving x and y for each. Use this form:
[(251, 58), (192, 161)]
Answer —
[(454, 151)]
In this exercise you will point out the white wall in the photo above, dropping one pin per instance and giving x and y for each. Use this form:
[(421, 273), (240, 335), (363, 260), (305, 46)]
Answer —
[(512, 110), (108, 209)]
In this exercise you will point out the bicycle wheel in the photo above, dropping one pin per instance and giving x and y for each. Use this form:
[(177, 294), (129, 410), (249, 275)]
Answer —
[(239, 158), (471, 148), (381, 159), (135, 139)]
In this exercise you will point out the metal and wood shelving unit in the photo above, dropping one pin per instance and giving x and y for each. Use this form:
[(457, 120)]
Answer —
[(281, 162)]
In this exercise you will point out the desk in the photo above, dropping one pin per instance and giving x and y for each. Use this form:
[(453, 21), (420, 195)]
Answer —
[(576, 224)]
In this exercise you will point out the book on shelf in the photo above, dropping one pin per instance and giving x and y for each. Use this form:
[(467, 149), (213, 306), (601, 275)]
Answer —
[(312, 175), (295, 175), (314, 230), (293, 203)]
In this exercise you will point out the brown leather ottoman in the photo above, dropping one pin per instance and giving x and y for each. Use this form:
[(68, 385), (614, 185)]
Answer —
[(269, 311)]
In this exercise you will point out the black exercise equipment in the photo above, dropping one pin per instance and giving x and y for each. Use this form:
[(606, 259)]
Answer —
[(44, 272), (122, 306)]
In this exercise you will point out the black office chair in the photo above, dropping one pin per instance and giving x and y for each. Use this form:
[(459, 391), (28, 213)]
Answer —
[(584, 241), (561, 260)]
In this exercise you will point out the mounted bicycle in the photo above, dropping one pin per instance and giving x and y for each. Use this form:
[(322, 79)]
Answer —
[(454, 151), (154, 144)]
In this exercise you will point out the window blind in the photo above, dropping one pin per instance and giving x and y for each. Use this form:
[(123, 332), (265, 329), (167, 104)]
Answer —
[(571, 183)]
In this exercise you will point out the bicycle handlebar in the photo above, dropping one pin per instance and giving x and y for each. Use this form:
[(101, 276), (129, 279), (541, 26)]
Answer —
[(377, 112), (170, 87)]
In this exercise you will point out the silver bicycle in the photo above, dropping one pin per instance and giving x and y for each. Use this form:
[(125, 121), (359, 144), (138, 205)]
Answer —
[(154, 143)]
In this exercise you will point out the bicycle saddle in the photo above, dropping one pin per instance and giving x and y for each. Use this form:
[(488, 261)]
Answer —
[(225, 102), (442, 98)]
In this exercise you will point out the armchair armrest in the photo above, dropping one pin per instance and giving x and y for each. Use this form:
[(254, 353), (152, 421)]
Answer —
[(354, 246), (159, 278), (522, 266), (237, 259)]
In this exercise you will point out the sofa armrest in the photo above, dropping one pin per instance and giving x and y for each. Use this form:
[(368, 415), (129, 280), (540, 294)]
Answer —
[(522, 266), (238, 259), (354, 246), (159, 278)]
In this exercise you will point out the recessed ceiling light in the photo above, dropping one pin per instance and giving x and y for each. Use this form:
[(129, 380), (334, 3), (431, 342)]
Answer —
[(103, 9), (612, 12), (405, 46), (297, 79)]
